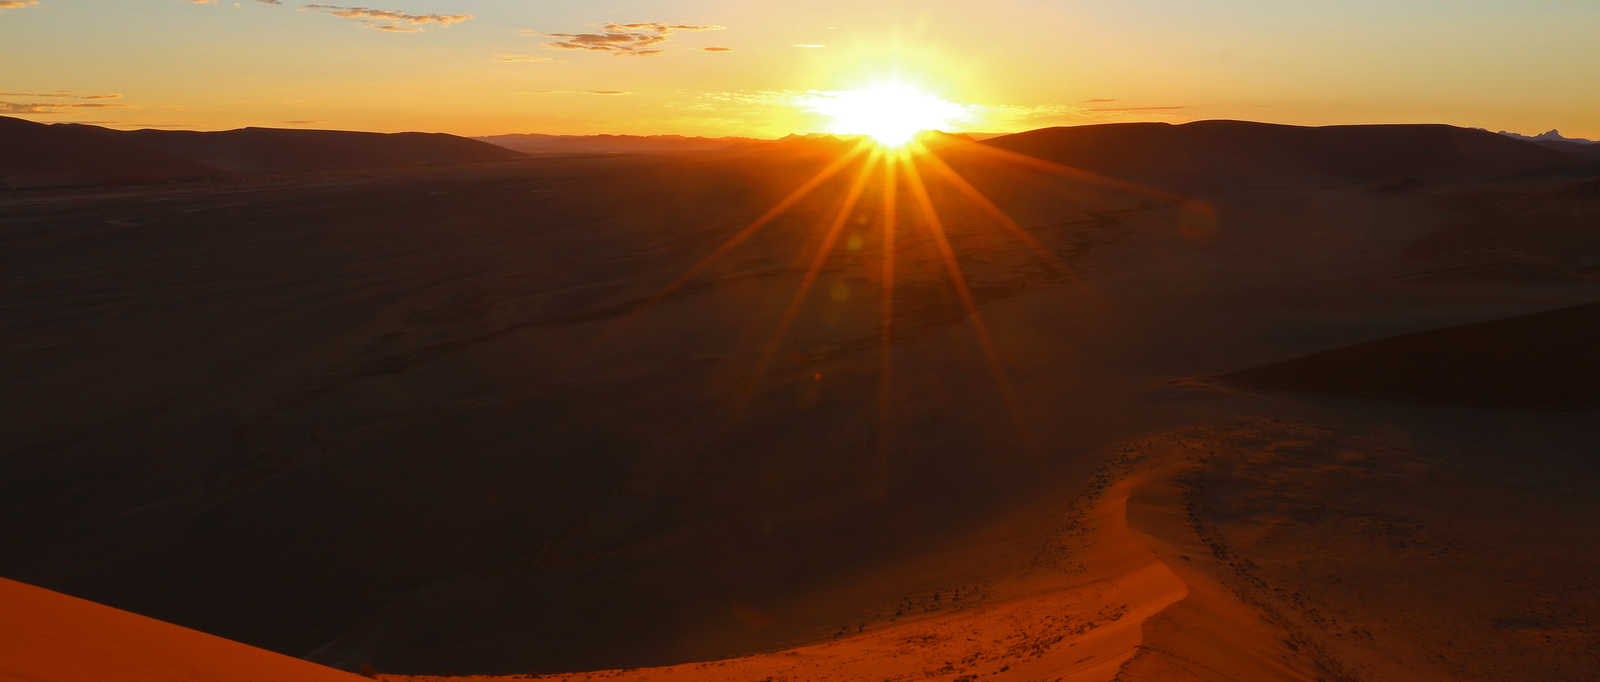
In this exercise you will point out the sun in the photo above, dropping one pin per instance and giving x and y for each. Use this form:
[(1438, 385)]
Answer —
[(890, 113)]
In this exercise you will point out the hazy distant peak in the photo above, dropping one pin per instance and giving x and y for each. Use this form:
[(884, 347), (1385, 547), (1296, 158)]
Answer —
[(1551, 135)]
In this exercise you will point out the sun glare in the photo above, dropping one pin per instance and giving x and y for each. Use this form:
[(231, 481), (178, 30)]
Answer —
[(891, 113)]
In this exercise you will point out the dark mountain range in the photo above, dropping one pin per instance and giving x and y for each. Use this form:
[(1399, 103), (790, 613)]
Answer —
[(535, 143), (39, 155), (1230, 155)]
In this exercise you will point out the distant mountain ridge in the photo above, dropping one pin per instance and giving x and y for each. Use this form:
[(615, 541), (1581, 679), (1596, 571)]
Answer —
[(42, 155), (1220, 156), (539, 143), (1204, 156), (1551, 135)]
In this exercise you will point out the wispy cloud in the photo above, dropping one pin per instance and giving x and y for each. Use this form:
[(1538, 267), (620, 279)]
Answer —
[(303, 121), (388, 20), (1100, 100), (810, 46), (523, 59), (630, 40), (125, 124), (64, 94), (17, 4), (1158, 108), (717, 49), (53, 107), (578, 92)]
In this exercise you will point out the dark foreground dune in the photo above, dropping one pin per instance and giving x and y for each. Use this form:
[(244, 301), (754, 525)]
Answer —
[(467, 419), (1545, 361)]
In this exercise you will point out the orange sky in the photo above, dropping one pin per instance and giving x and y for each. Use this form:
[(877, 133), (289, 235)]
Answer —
[(719, 67)]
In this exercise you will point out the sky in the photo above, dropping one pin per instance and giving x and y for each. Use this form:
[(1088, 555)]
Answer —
[(737, 67)]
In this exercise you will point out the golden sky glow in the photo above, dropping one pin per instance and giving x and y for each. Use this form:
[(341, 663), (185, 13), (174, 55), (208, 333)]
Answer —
[(713, 67)]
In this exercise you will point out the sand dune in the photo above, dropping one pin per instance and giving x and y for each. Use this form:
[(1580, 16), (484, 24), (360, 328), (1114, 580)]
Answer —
[(1232, 156), (50, 637), (34, 155), (444, 420), (1542, 361)]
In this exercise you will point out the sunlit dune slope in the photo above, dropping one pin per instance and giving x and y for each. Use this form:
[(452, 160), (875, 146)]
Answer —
[(1212, 156), (50, 637), (1545, 361)]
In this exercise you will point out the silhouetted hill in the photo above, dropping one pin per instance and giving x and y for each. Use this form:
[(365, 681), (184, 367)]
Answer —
[(535, 143), (273, 150), (1222, 155), (39, 155)]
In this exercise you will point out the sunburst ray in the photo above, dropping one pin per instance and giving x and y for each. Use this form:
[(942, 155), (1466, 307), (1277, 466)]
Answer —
[(1071, 172), (886, 325), (829, 238), (755, 226), (935, 227), (977, 196)]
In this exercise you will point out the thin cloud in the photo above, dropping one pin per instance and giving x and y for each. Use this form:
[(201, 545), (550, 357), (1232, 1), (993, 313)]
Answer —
[(1100, 100), (388, 20), (120, 124), (303, 122), (717, 49), (65, 94), (810, 46), (1138, 108), (52, 107), (579, 92), (523, 59), (625, 40), (17, 4)]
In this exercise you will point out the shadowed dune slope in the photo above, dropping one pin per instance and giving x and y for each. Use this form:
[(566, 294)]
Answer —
[(272, 150), (1213, 155), (1548, 360), (38, 155)]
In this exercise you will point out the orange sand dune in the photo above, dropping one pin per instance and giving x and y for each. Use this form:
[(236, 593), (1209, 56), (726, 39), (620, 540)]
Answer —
[(1082, 619), (1182, 561), (1109, 609), (50, 637)]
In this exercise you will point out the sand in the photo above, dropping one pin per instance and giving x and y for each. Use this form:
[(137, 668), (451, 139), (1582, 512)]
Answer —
[(50, 637), (436, 421)]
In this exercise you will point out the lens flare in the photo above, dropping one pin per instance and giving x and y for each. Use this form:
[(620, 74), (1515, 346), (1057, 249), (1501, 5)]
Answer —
[(890, 113)]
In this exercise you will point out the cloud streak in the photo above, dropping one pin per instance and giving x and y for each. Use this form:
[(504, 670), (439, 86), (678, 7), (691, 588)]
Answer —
[(579, 92), (64, 94), (392, 21), (17, 4), (1161, 108), (625, 40), (53, 107)]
